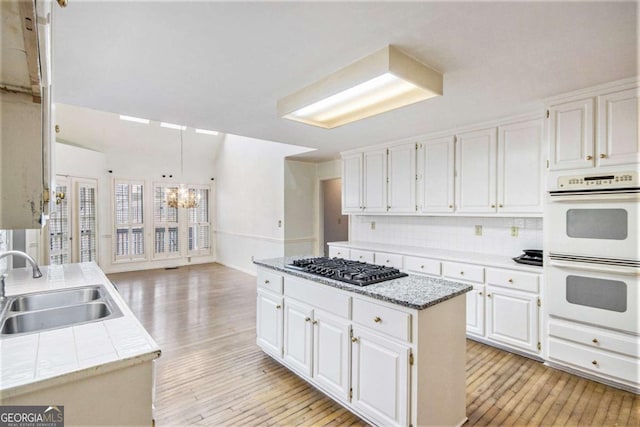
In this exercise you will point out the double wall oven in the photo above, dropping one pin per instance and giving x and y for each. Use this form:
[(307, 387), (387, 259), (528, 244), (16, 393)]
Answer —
[(593, 265)]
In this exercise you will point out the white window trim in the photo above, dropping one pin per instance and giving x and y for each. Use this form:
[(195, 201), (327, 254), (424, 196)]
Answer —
[(145, 196), (180, 224), (207, 251)]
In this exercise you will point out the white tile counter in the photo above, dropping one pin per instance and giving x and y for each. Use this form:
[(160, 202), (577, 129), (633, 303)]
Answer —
[(32, 361)]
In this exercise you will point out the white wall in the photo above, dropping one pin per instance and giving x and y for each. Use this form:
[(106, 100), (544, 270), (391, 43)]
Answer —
[(301, 208), (250, 207), (451, 233)]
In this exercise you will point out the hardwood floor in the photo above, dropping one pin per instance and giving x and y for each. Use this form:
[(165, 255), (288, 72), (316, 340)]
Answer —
[(212, 373)]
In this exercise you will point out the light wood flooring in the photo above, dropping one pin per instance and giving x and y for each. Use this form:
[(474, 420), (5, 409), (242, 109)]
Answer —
[(212, 373)]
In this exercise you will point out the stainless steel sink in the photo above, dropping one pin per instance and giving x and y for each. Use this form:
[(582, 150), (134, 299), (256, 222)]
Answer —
[(55, 318), (38, 312), (55, 299)]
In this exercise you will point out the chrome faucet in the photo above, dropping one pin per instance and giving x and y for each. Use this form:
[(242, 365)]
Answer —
[(34, 266)]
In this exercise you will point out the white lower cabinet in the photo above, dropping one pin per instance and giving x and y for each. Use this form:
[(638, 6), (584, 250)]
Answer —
[(332, 353), (269, 323), (380, 377), (512, 318), (475, 310), (298, 337)]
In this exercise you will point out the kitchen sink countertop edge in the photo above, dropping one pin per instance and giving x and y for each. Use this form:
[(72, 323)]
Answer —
[(413, 291), (37, 360)]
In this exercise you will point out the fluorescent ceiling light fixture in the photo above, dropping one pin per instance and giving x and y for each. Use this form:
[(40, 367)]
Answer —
[(383, 81), (172, 126), (207, 132), (134, 119)]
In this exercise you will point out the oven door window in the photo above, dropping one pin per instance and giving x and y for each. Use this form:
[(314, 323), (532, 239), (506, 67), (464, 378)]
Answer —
[(598, 293), (608, 224)]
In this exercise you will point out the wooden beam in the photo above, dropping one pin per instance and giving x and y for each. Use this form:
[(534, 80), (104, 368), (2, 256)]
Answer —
[(30, 36)]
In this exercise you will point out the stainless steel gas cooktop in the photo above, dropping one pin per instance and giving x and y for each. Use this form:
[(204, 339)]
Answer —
[(353, 272)]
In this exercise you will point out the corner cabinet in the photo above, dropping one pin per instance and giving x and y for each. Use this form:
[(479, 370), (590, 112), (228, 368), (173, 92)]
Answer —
[(382, 361), (596, 131)]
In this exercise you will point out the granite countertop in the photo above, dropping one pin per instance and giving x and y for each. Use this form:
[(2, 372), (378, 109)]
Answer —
[(36, 360), (413, 291), (486, 260)]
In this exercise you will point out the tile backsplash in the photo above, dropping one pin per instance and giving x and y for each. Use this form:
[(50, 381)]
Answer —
[(451, 233)]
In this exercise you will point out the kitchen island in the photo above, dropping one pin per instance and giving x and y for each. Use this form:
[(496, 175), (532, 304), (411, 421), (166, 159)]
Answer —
[(100, 371), (393, 352)]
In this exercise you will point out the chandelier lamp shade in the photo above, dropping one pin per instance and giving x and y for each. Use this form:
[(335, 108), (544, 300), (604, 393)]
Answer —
[(383, 81), (182, 196)]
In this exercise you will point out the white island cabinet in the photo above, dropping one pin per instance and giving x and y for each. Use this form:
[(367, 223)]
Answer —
[(393, 353)]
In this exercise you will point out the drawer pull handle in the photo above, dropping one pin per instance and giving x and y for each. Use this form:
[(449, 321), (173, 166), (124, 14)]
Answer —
[(462, 273), (266, 282), (354, 339), (307, 319), (594, 362), (377, 319), (360, 257), (422, 266), (387, 261), (595, 341), (278, 307), (510, 280)]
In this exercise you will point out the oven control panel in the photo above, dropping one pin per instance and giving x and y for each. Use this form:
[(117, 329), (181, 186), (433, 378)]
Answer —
[(614, 180)]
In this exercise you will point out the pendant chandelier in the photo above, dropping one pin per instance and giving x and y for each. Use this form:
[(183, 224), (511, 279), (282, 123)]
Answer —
[(182, 197)]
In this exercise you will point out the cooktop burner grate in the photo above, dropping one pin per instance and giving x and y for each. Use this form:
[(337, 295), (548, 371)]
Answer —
[(353, 272)]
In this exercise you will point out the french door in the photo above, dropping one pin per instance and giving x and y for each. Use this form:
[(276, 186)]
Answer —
[(73, 226)]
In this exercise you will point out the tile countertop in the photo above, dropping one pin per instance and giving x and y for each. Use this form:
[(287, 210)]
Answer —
[(486, 260), (418, 292), (32, 361)]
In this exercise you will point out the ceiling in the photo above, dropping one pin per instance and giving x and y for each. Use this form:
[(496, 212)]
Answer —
[(224, 65)]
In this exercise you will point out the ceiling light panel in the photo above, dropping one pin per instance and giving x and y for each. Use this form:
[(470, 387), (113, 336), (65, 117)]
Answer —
[(383, 81), (207, 132), (172, 126), (134, 119)]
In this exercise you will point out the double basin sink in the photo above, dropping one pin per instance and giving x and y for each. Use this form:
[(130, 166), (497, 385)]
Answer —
[(31, 313)]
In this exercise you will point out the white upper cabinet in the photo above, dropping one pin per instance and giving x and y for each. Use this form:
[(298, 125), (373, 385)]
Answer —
[(476, 172), (375, 181), (571, 135), (352, 183), (618, 139), (520, 167), (402, 178), (436, 175)]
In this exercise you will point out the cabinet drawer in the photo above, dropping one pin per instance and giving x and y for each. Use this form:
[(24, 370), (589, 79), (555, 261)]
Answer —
[(362, 256), (513, 280), (388, 260), (383, 319), (319, 296), (422, 265), (596, 338), (597, 362), (338, 252), (270, 281), (466, 272)]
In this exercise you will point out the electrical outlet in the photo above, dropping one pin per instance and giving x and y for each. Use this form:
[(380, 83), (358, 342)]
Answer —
[(279, 223), (478, 230), (373, 225), (515, 231)]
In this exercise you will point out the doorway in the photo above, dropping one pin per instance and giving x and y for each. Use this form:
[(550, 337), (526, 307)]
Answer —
[(335, 224)]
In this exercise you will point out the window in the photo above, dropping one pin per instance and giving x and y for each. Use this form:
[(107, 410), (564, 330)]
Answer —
[(87, 222), (165, 223), (129, 220), (59, 225), (199, 229)]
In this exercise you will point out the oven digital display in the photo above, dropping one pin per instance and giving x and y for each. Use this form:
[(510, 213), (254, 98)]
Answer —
[(598, 178)]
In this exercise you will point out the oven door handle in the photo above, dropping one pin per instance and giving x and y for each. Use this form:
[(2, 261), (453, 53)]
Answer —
[(608, 197), (627, 271)]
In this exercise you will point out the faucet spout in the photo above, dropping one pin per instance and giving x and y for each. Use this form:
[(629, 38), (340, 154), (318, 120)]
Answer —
[(34, 267)]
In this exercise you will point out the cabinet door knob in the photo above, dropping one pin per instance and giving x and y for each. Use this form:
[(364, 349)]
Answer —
[(510, 280), (422, 267), (488, 295), (595, 341), (450, 206), (266, 282), (354, 339), (493, 206), (278, 307), (603, 156), (594, 362), (377, 319), (500, 206), (589, 157), (315, 322), (462, 273), (307, 319), (480, 293)]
